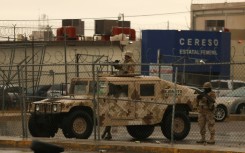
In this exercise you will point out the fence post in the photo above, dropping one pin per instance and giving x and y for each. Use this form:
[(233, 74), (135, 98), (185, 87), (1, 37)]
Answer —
[(3, 98), (94, 101), (173, 111), (159, 64), (97, 106), (22, 101)]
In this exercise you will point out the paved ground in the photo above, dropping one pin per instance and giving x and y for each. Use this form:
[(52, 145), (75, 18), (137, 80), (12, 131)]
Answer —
[(91, 146), (74, 145), (18, 150)]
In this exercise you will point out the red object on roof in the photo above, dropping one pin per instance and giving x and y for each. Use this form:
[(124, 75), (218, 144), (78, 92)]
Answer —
[(125, 30), (69, 31)]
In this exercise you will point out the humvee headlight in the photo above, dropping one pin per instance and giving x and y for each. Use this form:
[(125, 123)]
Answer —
[(37, 107), (55, 108)]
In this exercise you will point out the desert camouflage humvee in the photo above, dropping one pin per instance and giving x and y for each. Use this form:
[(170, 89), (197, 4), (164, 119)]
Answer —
[(138, 102)]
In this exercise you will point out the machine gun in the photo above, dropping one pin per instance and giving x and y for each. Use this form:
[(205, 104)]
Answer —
[(117, 65)]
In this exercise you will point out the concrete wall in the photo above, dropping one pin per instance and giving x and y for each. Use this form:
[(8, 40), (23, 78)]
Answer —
[(234, 17), (52, 54)]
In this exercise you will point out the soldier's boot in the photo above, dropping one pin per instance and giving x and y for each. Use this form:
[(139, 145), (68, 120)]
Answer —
[(211, 141), (202, 140), (103, 135), (108, 137)]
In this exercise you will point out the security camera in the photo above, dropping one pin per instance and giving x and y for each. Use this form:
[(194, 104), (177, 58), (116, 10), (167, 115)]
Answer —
[(202, 61), (130, 42)]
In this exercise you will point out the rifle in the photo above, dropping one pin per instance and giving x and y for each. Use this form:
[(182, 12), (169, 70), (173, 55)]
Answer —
[(210, 100)]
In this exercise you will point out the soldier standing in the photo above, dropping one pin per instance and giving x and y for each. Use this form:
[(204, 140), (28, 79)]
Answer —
[(205, 102)]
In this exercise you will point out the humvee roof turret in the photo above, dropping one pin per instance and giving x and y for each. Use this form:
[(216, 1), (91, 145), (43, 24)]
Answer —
[(137, 102)]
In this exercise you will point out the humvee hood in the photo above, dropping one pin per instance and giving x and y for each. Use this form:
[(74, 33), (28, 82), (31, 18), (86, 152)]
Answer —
[(65, 99)]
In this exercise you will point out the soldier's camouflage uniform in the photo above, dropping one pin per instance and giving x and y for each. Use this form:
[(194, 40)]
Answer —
[(128, 67), (206, 117)]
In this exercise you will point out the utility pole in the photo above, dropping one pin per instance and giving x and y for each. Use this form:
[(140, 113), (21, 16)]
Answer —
[(65, 56)]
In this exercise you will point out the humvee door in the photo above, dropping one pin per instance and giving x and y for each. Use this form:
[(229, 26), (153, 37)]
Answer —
[(119, 104)]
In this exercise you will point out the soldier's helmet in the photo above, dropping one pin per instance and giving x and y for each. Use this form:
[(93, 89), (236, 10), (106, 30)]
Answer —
[(207, 85), (128, 53)]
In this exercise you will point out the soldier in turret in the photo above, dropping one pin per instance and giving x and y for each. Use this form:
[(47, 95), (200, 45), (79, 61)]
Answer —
[(128, 65)]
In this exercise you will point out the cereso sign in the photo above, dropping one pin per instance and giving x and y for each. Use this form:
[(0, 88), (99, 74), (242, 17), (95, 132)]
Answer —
[(198, 42), (211, 47), (212, 43)]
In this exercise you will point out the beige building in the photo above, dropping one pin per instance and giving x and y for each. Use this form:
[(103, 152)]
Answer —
[(223, 17)]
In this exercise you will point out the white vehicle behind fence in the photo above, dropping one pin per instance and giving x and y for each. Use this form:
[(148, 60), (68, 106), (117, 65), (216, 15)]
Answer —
[(222, 87)]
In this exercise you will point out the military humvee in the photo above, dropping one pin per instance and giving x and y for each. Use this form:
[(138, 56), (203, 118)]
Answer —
[(139, 103)]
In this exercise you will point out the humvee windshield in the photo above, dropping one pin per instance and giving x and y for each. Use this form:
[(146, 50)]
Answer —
[(79, 88), (87, 88), (84, 88)]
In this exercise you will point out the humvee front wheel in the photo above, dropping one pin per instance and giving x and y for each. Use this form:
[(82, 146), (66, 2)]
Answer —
[(78, 125), (181, 126), (38, 129), (140, 131)]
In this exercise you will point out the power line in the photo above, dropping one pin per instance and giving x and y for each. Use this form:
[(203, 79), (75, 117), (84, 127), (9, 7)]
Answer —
[(128, 16)]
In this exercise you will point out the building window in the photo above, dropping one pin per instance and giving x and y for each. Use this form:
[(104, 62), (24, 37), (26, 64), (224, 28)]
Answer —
[(214, 25)]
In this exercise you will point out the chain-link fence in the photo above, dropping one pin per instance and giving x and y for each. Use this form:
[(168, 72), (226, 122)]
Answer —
[(80, 88)]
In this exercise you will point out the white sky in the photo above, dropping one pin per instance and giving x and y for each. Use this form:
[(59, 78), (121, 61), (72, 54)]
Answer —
[(141, 13), (82, 9)]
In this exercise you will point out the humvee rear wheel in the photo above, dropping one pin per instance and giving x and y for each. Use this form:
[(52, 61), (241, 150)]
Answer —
[(181, 126), (40, 129), (140, 131), (77, 124)]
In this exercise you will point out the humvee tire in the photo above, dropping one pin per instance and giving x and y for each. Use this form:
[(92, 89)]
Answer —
[(78, 125), (181, 129), (140, 131), (40, 130)]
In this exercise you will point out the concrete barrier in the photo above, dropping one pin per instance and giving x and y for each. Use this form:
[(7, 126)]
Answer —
[(119, 146)]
